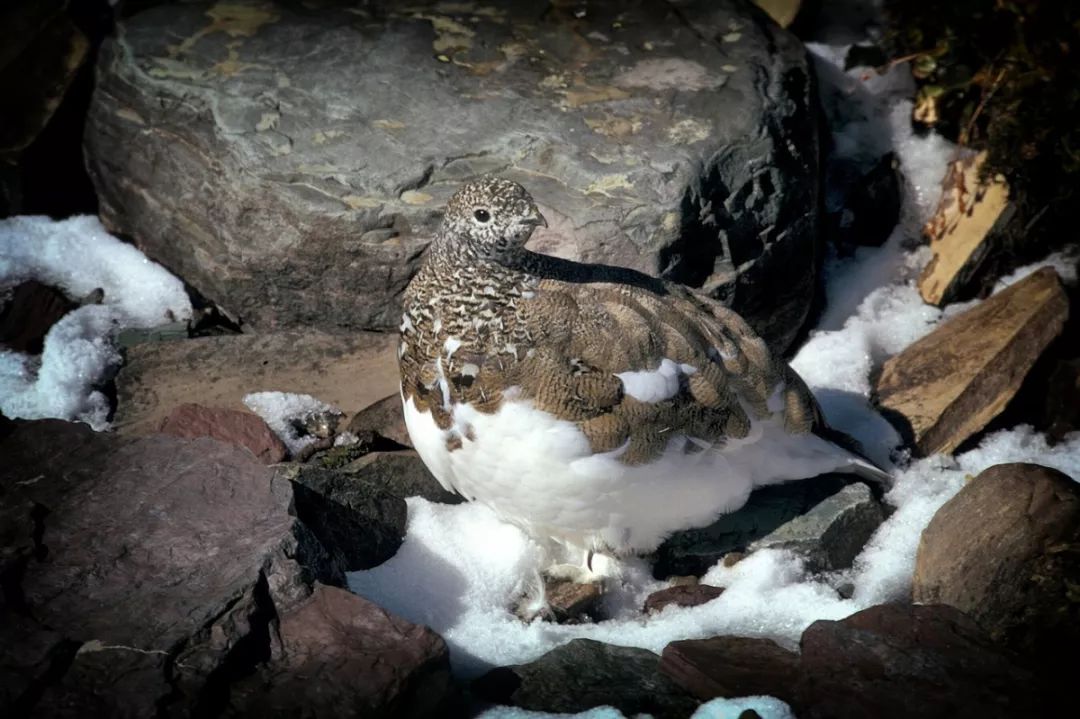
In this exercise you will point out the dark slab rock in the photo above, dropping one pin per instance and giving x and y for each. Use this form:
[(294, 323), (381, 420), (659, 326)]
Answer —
[(694, 551), (867, 201), (383, 418), (343, 656), (683, 595), (403, 474), (28, 315), (833, 532), (731, 667), (1061, 411), (300, 189), (1006, 551), (127, 554), (241, 429), (901, 661), (359, 521), (583, 674)]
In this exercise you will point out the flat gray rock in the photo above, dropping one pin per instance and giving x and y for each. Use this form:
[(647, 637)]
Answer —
[(297, 183)]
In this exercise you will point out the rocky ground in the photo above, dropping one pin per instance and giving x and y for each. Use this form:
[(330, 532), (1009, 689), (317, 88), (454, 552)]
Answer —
[(187, 562)]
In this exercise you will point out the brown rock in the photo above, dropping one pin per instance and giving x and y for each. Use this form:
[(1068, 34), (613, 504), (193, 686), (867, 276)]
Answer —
[(29, 314), (731, 667), (573, 602), (343, 656), (684, 595), (1006, 550), (384, 418), (346, 371), (951, 383), (896, 661), (964, 231), (124, 550), (231, 426), (43, 51)]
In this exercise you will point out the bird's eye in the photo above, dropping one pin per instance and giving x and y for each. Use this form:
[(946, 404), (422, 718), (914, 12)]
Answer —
[(482, 215)]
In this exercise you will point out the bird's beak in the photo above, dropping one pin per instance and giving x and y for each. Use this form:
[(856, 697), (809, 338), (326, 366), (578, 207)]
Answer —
[(537, 219)]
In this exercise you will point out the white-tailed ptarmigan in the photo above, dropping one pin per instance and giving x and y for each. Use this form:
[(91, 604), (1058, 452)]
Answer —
[(591, 405)]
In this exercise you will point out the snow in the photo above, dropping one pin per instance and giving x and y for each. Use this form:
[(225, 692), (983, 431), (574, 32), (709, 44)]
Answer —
[(766, 707), (282, 411), (78, 256), (460, 569)]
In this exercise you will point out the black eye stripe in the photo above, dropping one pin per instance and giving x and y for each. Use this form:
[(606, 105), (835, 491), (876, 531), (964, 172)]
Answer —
[(482, 215)]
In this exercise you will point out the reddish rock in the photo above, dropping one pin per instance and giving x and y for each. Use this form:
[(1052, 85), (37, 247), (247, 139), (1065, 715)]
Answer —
[(731, 667), (343, 656), (29, 315), (1006, 551), (682, 595), (573, 602), (119, 552), (231, 426), (900, 661)]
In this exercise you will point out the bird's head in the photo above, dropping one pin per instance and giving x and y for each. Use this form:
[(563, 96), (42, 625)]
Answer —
[(493, 216)]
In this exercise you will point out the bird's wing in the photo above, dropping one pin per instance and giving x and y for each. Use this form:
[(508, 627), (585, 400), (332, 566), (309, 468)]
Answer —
[(634, 368)]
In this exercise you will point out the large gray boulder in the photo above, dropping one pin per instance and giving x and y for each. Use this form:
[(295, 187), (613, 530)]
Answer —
[(292, 166)]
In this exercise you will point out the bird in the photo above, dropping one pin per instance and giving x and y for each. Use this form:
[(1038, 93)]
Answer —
[(597, 408)]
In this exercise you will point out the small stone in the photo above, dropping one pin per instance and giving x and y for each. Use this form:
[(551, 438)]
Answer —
[(231, 426), (572, 602), (1006, 550), (583, 674), (731, 667), (732, 558), (948, 385), (681, 596)]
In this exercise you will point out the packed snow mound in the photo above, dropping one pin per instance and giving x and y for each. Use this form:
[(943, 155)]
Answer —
[(78, 256)]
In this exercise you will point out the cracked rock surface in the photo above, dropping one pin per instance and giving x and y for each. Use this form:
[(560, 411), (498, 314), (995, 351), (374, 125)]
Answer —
[(297, 184), (147, 576)]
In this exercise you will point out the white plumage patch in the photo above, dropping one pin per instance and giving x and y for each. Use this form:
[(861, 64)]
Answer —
[(655, 385), (539, 472)]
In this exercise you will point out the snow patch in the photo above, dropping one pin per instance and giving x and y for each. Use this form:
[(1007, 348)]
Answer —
[(284, 411), (78, 256)]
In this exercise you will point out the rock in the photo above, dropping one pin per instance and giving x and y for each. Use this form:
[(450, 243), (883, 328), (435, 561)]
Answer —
[(1006, 550), (1061, 410), (345, 371), (358, 521), (401, 473), (964, 231), (583, 674), (694, 551), (948, 385), (383, 418), (677, 141), (681, 595), (343, 656), (29, 314), (231, 426), (137, 565), (831, 534), (731, 667), (902, 661), (43, 51), (572, 602), (870, 205)]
